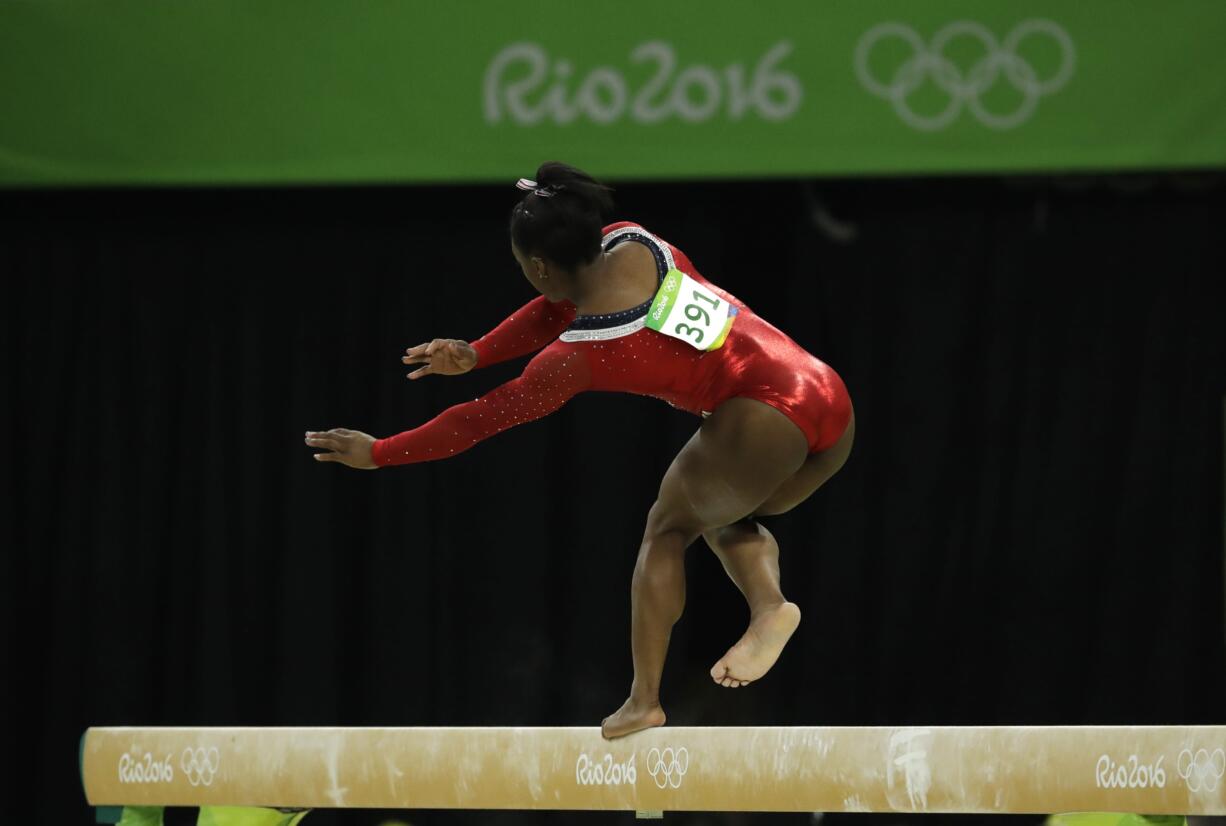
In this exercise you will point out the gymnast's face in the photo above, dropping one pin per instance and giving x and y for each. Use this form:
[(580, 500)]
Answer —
[(547, 279)]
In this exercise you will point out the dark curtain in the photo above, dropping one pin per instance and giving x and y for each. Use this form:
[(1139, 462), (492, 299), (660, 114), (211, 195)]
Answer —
[(1029, 529)]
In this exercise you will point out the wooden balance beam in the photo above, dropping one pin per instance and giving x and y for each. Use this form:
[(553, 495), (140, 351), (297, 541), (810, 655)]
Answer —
[(974, 769)]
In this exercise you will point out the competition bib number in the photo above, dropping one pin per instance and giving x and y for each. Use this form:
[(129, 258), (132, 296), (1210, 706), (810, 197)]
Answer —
[(687, 310)]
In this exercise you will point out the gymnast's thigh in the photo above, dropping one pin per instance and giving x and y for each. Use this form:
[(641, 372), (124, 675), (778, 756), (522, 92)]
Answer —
[(740, 456), (816, 471)]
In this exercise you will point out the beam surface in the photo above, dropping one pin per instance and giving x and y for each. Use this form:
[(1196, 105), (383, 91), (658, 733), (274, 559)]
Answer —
[(989, 769)]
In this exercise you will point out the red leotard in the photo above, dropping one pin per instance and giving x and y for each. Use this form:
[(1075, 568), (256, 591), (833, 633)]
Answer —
[(616, 352)]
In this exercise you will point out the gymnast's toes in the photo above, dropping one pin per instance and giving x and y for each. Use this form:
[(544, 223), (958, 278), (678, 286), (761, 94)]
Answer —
[(631, 717), (759, 648)]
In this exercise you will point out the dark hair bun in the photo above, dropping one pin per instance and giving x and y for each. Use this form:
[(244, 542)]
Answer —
[(563, 222)]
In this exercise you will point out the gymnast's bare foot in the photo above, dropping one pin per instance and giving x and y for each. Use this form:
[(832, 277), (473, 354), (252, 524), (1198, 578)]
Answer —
[(757, 650), (633, 716)]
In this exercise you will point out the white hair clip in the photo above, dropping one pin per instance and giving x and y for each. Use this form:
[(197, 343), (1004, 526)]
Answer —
[(529, 185)]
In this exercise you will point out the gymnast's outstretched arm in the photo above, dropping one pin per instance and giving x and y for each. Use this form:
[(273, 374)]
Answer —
[(547, 383), (530, 328), (527, 330), (535, 325)]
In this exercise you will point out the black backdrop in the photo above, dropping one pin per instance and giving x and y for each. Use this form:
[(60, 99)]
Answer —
[(1029, 529)]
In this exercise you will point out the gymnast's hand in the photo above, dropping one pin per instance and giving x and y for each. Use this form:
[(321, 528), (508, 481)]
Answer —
[(349, 447), (443, 356)]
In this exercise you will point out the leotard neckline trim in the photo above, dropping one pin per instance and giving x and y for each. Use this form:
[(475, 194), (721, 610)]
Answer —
[(623, 322)]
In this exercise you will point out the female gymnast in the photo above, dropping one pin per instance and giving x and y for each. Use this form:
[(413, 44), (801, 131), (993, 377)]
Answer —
[(621, 309)]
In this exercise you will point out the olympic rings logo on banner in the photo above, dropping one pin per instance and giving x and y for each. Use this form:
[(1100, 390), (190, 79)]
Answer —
[(1202, 770), (200, 765), (965, 89), (668, 767)]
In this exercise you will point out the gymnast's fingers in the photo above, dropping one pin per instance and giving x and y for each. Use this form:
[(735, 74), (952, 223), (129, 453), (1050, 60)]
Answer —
[(327, 441), (415, 355), (421, 371)]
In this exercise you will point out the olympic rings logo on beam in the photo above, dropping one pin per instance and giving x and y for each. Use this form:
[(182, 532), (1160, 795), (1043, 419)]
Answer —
[(668, 767), (1202, 770), (965, 89), (200, 765)]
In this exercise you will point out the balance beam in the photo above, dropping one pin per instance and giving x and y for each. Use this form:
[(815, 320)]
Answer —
[(981, 769)]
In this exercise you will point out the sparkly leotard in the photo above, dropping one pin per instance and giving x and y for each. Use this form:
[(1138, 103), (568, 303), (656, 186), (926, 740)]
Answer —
[(617, 352)]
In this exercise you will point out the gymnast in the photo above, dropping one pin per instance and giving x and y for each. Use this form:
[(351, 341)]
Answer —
[(621, 309)]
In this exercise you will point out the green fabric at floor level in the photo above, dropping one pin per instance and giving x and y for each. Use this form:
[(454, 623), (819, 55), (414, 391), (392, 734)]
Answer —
[(141, 816), (1115, 819), (247, 816)]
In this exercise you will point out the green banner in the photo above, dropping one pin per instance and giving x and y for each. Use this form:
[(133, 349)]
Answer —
[(300, 91)]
